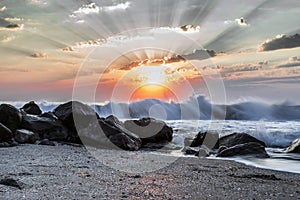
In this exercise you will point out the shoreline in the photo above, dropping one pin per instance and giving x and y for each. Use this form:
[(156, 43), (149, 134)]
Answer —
[(63, 171)]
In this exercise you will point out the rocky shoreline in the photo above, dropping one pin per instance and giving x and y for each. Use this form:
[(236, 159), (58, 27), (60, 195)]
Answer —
[(77, 123), (72, 153)]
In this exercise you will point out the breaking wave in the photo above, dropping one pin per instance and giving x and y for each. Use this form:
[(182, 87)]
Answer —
[(198, 108)]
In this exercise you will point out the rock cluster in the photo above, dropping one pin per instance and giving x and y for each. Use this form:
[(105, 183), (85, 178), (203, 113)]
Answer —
[(75, 122), (236, 144)]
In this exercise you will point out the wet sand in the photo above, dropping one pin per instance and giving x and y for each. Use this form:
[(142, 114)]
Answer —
[(70, 172)]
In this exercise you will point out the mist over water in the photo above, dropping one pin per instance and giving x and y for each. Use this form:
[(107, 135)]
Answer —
[(198, 108)]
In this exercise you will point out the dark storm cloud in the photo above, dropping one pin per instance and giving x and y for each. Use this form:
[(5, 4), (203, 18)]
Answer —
[(281, 42)]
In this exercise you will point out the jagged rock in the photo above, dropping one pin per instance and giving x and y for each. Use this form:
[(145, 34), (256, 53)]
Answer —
[(23, 136), (238, 138), (10, 117), (32, 108), (52, 129), (150, 130), (109, 134), (119, 135), (251, 148), (113, 121), (294, 147), (5, 133), (49, 115), (76, 116), (209, 139)]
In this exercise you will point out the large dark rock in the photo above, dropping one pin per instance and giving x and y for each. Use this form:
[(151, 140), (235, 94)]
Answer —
[(32, 108), (10, 117), (119, 135), (23, 136), (252, 148), (209, 139), (5, 133), (49, 128), (238, 138), (150, 130), (76, 116), (294, 147), (108, 133)]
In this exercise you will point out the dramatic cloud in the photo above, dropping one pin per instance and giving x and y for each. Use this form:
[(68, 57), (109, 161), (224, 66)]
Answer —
[(292, 62), (200, 55), (39, 55), (181, 29), (154, 62), (241, 21), (92, 8), (280, 42)]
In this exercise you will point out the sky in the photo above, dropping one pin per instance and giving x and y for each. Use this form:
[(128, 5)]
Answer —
[(103, 50)]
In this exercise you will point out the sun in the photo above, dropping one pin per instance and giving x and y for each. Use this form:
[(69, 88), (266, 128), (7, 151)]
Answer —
[(153, 83), (153, 91)]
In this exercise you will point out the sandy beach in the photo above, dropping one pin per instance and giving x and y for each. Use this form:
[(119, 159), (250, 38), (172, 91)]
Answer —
[(71, 172)]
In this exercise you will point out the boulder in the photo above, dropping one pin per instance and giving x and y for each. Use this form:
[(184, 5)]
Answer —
[(209, 139), (115, 131), (294, 147), (23, 136), (238, 138), (5, 133), (76, 116), (108, 134), (32, 108), (251, 148), (150, 130), (45, 128), (202, 151), (10, 117)]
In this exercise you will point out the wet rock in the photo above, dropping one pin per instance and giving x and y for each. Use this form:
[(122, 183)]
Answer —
[(10, 117), (76, 116), (294, 147), (46, 142), (191, 150), (114, 130), (23, 136), (32, 108), (209, 139), (43, 127), (252, 148), (124, 142), (150, 130), (221, 148), (49, 115), (108, 134), (5, 133), (13, 26), (238, 138), (197, 151), (169, 146)]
